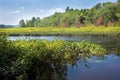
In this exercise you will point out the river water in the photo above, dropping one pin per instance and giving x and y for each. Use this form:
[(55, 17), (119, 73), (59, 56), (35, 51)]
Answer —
[(93, 68)]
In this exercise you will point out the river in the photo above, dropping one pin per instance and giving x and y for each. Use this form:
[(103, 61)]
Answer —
[(93, 68)]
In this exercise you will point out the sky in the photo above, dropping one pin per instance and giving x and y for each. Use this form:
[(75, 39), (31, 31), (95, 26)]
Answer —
[(11, 11)]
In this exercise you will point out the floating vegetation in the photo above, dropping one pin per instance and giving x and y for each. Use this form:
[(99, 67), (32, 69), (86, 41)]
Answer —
[(42, 59)]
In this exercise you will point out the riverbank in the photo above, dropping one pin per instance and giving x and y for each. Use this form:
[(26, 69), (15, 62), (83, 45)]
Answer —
[(50, 31)]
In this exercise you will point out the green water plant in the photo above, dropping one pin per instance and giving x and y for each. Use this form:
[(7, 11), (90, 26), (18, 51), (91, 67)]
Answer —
[(42, 59)]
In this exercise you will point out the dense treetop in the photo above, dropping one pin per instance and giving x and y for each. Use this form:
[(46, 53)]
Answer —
[(106, 14)]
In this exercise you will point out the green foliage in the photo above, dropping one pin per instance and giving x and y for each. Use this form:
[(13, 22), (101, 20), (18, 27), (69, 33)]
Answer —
[(8, 56), (42, 59), (118, 0), (109, 11), (22, 23)]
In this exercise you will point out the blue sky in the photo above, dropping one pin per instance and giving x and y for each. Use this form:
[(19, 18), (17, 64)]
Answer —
[(11, 11)]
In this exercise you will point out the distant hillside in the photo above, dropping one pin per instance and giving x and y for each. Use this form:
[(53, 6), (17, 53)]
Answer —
[(106, 14)]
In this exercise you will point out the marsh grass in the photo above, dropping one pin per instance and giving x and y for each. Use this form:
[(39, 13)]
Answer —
[(36, 31)]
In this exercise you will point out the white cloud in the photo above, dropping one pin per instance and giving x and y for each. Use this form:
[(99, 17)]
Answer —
[(22, 13), (51, 10), (42, 10), (47, 12), (56, 10), (18, 10)]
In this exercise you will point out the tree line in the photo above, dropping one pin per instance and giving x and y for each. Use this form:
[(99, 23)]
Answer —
[(6, 26), (105, 14)]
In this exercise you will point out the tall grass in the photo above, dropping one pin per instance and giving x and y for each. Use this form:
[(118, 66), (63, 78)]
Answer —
[(61, 31)]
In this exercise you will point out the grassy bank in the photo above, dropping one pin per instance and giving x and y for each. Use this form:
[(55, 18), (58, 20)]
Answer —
[(41, 59), (30, 31)]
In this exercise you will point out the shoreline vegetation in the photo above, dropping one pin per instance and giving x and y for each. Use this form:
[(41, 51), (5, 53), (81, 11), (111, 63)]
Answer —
[(60, 31), (20, 59)]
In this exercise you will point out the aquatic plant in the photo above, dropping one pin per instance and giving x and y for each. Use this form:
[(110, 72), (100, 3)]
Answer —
[(42, 59)]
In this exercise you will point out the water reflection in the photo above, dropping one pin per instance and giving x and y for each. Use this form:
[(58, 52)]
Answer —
[(107, 69), (77, 67), (112, 43), (56, 67), (96, 39)]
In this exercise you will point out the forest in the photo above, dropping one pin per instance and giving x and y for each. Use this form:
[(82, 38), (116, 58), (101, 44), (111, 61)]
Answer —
[(102, 14)]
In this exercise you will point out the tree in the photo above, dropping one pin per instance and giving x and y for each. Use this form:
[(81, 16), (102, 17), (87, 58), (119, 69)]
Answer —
[(33, 21), (2, 26), (22, 23), (100, 14), (118, 0), (97, 6), (29, 23), (67, 9), (37, 22)]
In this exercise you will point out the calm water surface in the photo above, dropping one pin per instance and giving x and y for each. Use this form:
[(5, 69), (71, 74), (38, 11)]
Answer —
[(106, 67)]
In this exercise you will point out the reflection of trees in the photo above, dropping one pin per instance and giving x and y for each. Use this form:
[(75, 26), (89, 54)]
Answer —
[(115, 51), (46, 71), (48, 62), (54, 68), (112, 44)]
